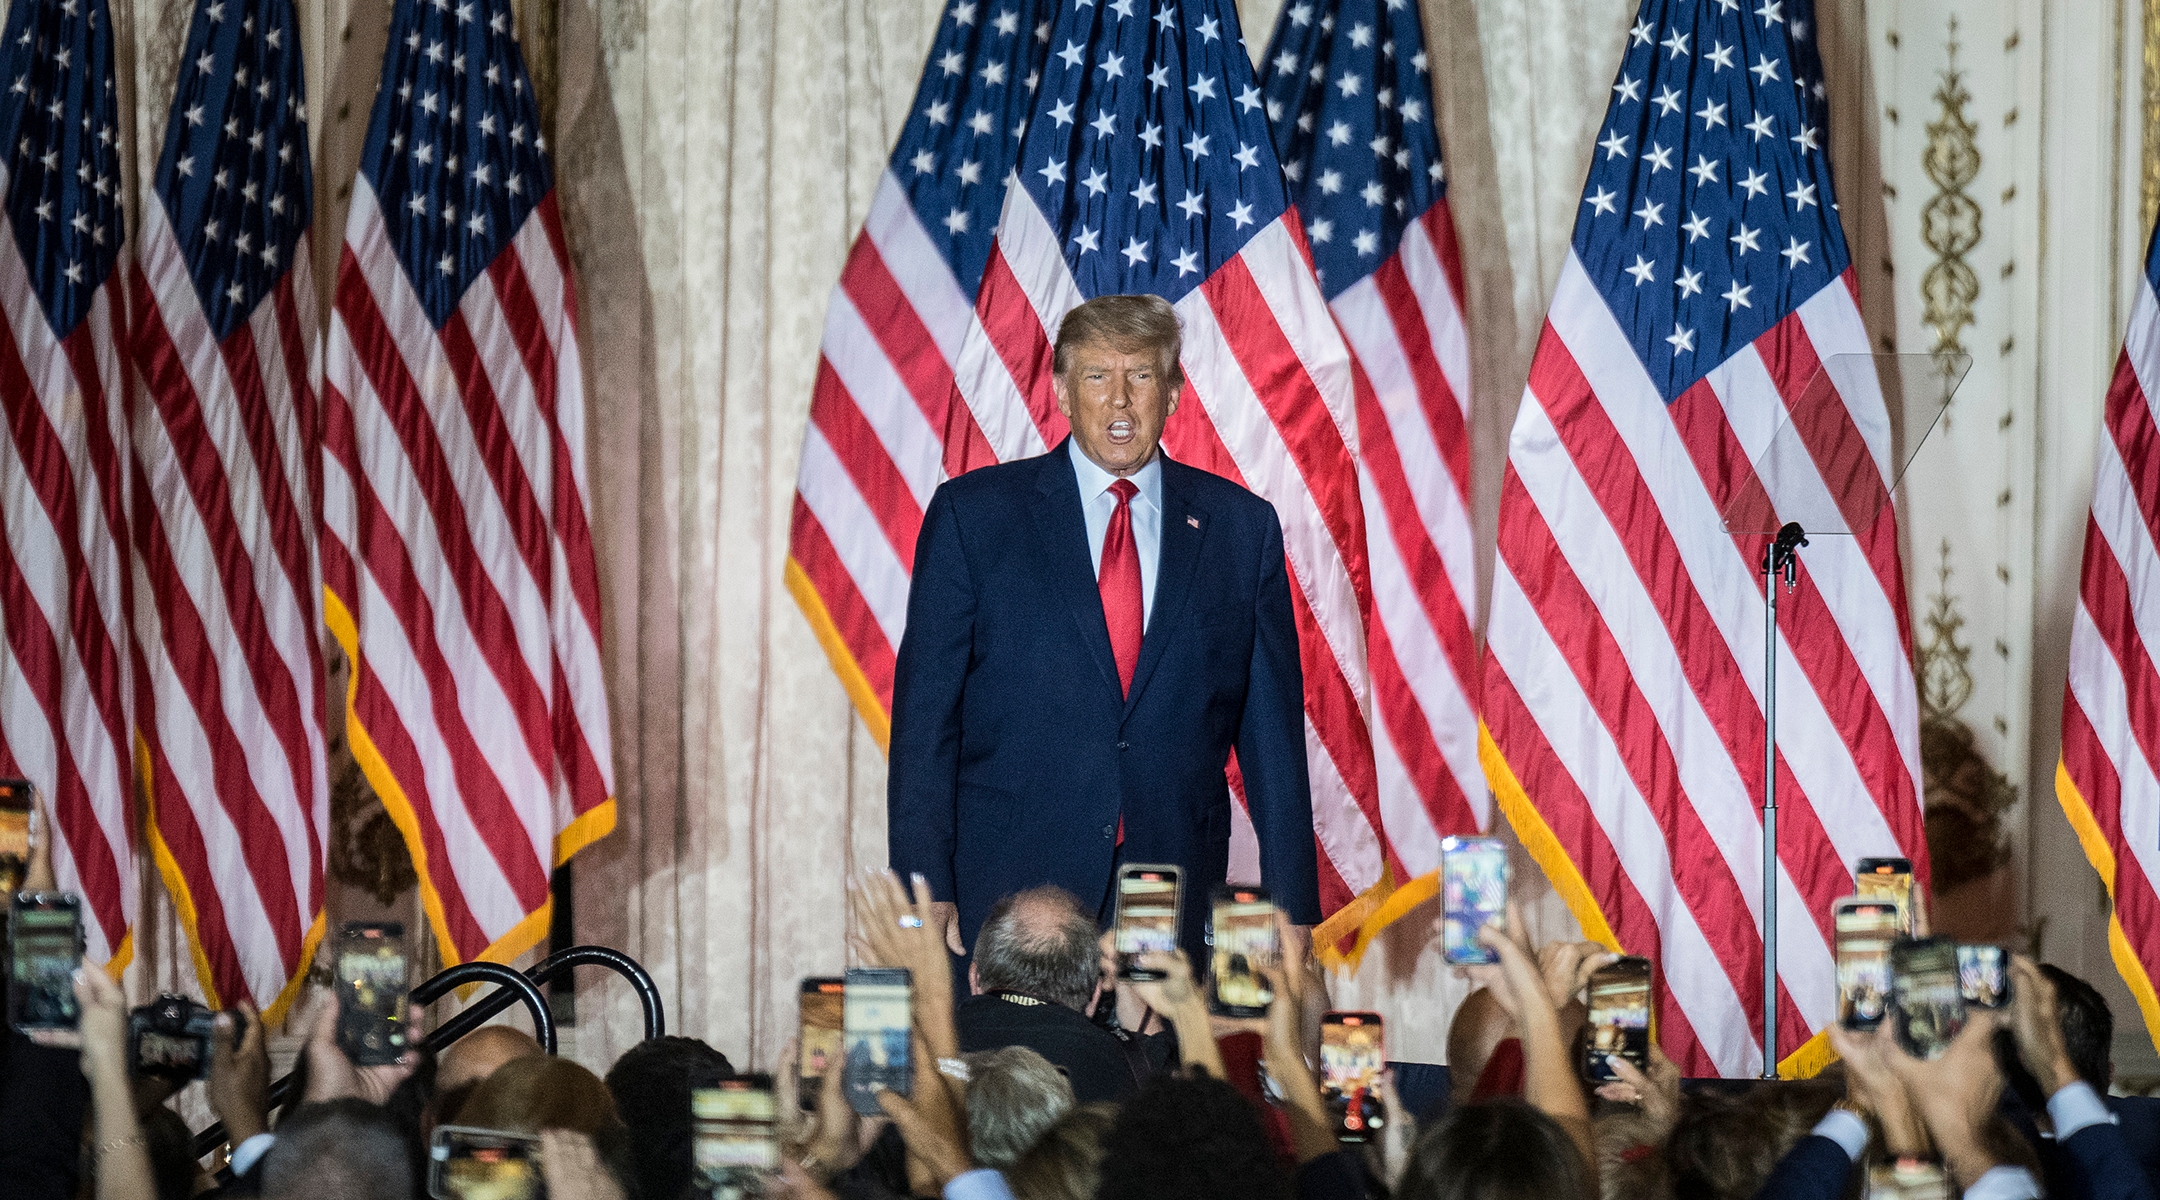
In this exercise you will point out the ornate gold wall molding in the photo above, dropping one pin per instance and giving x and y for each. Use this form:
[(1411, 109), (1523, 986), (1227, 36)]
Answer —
[(1965, 796), (1950, 222)]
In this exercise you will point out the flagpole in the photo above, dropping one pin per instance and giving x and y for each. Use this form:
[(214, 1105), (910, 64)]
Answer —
[(1781, 557)]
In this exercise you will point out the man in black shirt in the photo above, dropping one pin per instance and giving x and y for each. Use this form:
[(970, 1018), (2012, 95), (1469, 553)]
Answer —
[(1036, 980)]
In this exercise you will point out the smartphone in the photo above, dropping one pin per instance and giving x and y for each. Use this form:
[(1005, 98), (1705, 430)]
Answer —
[(1148, 902), (1908, 1179), (45, 941), (465, 1163), (822, 1009), (1984, 976), (1474, 887), (170, 1038), (371, 989), (732, 1140), (1865, 929), (1352, 1055), (1926, 1007), (1887, 879), (16, 797), (1619, 1019), (1243, 925), (875, 1022)]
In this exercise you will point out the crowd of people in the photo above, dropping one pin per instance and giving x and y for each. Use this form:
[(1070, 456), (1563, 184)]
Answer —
[(1030, 1088)]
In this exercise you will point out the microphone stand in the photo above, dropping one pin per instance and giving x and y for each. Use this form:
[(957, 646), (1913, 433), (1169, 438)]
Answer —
[(1780, 558)]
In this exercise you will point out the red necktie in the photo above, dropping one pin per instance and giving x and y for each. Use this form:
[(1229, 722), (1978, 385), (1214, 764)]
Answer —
[(1119, 581)]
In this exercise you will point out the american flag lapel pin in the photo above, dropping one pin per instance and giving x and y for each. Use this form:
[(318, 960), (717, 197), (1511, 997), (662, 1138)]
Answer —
[(1192, 520)]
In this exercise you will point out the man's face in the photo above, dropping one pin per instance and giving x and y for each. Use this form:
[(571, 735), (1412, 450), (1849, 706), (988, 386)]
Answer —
[(1117, 403)]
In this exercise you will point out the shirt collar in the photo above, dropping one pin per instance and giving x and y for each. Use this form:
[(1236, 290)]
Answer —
[(1094, 481)]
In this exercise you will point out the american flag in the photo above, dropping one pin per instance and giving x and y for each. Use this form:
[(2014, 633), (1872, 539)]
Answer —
[(1623, 686), (2109, 781), (65, 693), (1147, 166), (885, 427), (231, 703), (457, 555), (1347, 87)]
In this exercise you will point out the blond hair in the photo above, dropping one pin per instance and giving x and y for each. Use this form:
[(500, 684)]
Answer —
[(1127, 324)]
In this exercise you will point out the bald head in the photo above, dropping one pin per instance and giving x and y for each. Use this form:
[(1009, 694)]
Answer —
[(1039, 943), (475, 1056)]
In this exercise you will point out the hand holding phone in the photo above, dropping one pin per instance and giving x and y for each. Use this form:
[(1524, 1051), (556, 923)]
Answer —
[(1474, 892), (1927, 1009)]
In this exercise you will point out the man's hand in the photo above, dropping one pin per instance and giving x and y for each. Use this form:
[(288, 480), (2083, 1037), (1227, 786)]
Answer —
[(332, 1076), (239, 1085), (2037, 1022), (1871, 1085), (1656, 1091), (1955, 1094), (946, 916)]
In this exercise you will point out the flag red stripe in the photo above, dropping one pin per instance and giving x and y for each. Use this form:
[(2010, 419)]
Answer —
[(1410, 735), (1333, 710), (1008, 317), (914, 355), (493, 446), (2137, 443), (176, 827), (1436, 399), (1439, 223), (1567, 813), (197, 669), (855, 444), (2105, 591), (1448, 612), (484, 610), (1611, 474), (1586, 643), (2137, 906), (851, 616), (478, 789)]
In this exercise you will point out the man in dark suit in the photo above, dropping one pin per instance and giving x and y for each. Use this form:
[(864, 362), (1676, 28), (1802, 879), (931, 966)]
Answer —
[(1090, 633)]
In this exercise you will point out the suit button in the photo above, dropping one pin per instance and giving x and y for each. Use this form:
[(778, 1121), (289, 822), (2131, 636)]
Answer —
[(1124, 745), (1110, 830)]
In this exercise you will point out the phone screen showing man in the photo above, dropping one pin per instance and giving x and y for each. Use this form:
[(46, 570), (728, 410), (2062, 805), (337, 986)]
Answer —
[(878, 1012), (1865, 929), (46, 949), (1352, 1055), (732, 1130), (1244, 941), (1619, 1019), (1147, 917)]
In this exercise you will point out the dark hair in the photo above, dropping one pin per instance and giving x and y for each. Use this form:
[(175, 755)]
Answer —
[(1181, 1138), (338, 1150), (1128, 325), (2088, 1027), (651, 1086), (1064, 1164), (1726, 1145), (172, 1153), (1495, 1150), (1056, 959)]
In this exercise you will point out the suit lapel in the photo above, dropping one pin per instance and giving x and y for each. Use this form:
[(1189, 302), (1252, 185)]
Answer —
[(1065, 550), (1184, 527)]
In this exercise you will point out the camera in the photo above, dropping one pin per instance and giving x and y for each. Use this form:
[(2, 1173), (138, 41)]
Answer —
[(170, 1038)]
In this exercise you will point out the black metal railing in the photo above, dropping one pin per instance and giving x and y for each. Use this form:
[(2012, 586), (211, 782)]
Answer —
[(512, 987)]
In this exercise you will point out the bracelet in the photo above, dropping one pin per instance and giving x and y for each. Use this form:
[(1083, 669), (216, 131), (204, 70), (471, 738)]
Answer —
[(136, 1140), (953, 1068)]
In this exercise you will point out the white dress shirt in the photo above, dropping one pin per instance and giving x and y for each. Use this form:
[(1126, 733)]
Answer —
[(1098, 502)]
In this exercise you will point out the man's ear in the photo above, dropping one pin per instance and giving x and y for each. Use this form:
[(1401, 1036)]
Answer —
[(1064, 394), (1093, 1000), (974, 981)]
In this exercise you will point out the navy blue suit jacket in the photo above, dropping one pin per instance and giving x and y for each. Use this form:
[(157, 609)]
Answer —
[(1013, 755)]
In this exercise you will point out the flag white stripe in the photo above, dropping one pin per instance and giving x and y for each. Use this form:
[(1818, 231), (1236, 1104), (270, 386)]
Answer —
[(882, 398), (2098, 690), (857, 539)]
